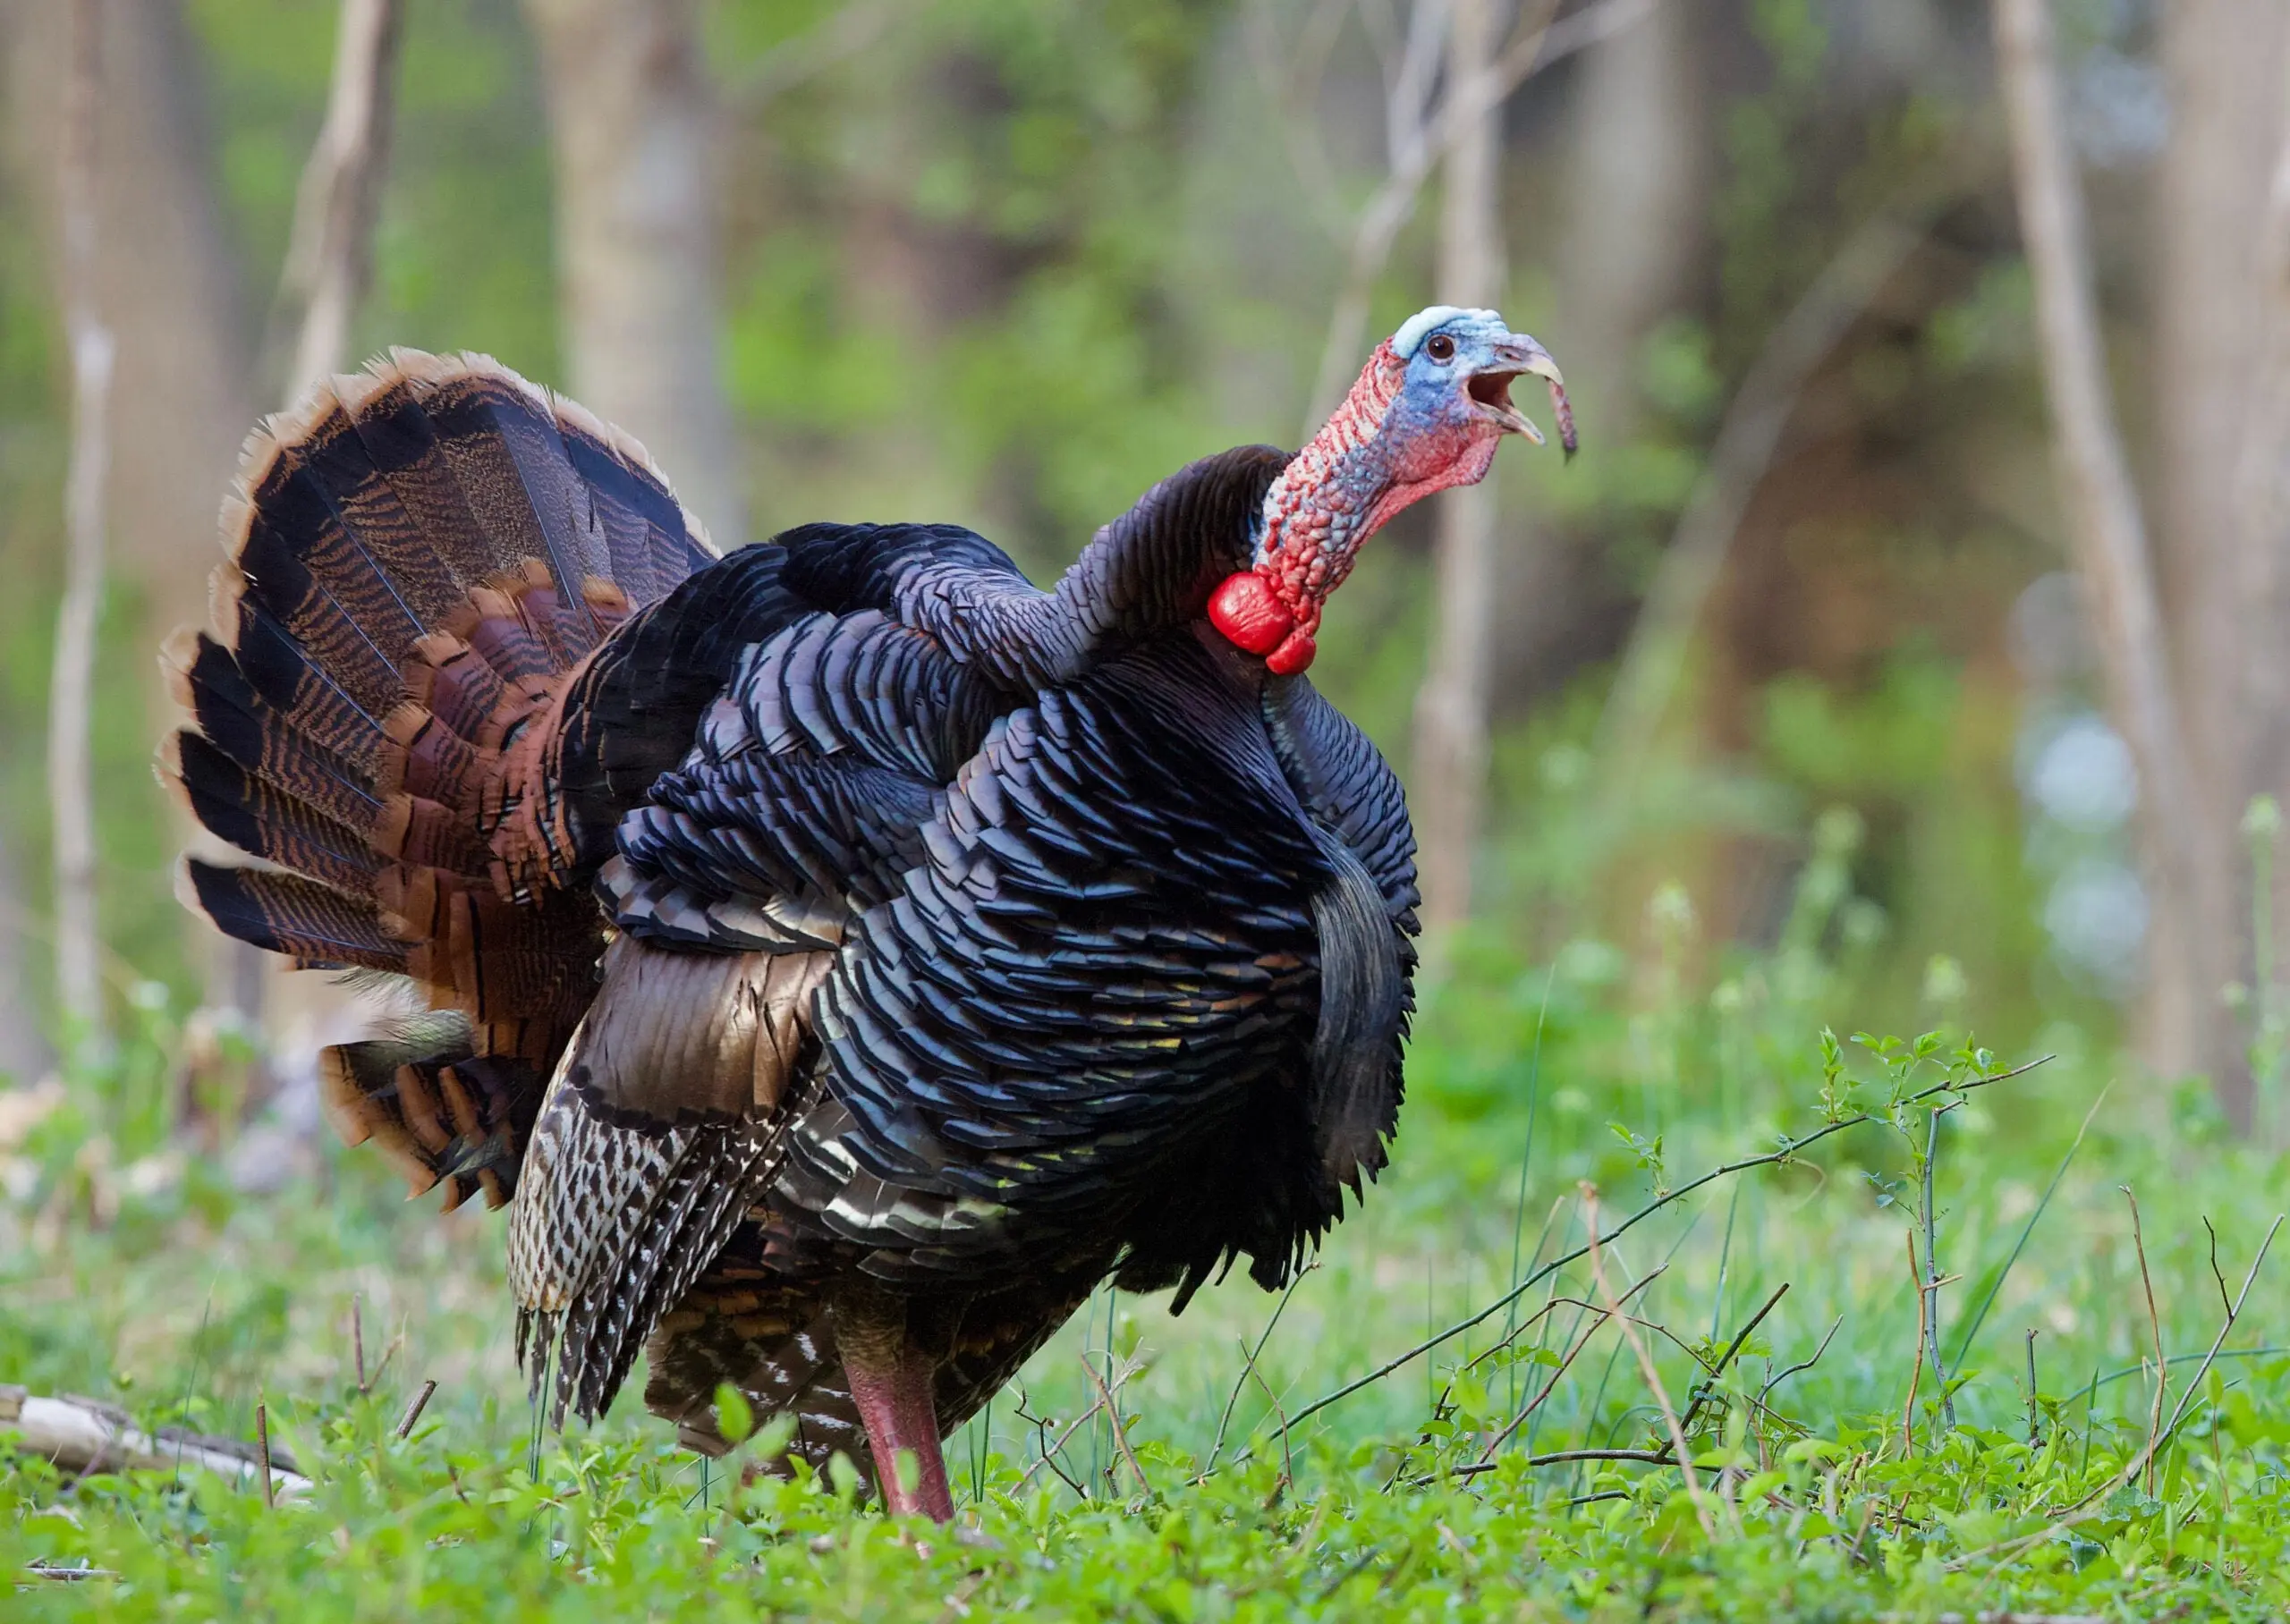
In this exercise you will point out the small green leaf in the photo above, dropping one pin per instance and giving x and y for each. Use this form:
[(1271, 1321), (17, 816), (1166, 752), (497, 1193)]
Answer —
[(734, 1416)]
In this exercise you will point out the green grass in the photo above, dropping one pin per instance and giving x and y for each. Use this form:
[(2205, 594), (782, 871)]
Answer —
[(1820, 1489)]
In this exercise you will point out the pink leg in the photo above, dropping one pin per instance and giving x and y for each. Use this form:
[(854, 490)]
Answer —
[(892, 1381)]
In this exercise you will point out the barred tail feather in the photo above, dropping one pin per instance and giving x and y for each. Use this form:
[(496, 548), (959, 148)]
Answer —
[(423, 558)]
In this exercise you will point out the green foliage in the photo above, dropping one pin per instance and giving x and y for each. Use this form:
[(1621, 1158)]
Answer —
[(983, 271), (1770, 1303)]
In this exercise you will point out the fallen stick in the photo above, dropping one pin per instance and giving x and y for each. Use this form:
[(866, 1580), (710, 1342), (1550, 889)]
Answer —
[(79, 1436)]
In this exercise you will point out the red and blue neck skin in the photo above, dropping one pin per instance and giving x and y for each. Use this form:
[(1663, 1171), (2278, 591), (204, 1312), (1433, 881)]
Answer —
[(1425, 415)]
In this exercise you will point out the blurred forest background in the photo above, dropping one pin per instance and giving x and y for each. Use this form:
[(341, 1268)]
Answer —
[(1805, 610)]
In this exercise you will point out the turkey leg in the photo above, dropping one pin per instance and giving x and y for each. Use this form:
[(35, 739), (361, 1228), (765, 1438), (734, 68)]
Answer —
[(894, 1383)]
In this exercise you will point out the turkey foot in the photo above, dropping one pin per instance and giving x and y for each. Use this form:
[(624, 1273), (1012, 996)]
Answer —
[(894, 1383)]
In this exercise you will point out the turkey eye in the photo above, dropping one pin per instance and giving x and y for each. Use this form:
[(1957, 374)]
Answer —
[(1441, 348)]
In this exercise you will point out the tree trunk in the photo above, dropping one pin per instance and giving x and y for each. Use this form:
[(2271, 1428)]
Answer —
[(71, 710), (2262, 497), (1633, 210), (24, 1054), (169, 286), (632, 118), (2225, 63), (2109, 537), (182, 387), (331, 258), (1451, 707)]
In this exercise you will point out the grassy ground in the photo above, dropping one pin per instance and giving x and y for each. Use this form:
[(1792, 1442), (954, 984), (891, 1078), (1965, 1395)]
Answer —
[(1522, 1467)]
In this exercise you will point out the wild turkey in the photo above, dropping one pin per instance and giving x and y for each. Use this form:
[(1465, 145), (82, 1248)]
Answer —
[(842, 955)]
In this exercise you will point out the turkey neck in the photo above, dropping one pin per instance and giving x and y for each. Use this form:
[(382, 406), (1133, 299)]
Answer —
[(1328, 500)]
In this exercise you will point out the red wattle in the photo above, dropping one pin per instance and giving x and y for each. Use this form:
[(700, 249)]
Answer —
[(1246, 611), (1295, 652)]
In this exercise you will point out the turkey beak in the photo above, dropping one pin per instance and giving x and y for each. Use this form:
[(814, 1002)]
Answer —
[(1491, 386)]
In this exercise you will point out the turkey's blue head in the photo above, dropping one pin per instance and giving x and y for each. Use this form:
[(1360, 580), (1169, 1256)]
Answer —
[(1425, 414)]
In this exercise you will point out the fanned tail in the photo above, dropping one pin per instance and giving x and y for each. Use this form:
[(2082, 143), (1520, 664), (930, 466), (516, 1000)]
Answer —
[(423, 559)]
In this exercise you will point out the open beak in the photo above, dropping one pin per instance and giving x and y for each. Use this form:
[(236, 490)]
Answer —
[(1490, 387)]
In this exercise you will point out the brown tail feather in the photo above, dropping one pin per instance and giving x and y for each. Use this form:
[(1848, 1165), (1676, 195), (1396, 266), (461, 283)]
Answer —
[(421, 559), (441, 1113)]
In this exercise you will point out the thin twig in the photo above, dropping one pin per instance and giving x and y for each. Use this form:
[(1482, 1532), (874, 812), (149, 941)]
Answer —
[(1709, 1383), (1749, 436), (262, 1456), (2224, 1300), (845, 32), (2031, 1387), (1120, 1433), (1551, 1306), (2141, 1368), (1661, 1457), (1645, 1365), (1289, 73), (1248, 1364), (1802, 1365), (1049, 1454), (1603, 1495), (1448, 786), (1573, 1351), (414, 1412), (1487, 1462), (1774, 1158), (2155, 1325), (2093, 1501), (1916, 1370), (1287, 1454), (358, 1338), (1932, 1299)]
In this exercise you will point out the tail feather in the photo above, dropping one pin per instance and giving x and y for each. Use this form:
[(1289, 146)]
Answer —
[(366, 543), (423, 558), (311, 923), (438, 1111), (395, 436), (265, 822), (350, 640), (313, 701), (214, 692)]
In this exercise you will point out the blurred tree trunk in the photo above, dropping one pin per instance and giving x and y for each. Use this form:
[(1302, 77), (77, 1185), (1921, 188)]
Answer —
[(2262, 507), (633, 117), (2224, 63), (1451, 707), (2107, 532), (330, 259), (24, 1054), (71, 708), (1633, 217), (182, 387), (168, 283)]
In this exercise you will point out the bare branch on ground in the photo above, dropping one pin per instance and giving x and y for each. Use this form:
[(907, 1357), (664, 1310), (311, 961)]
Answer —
[(81, 1436)]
